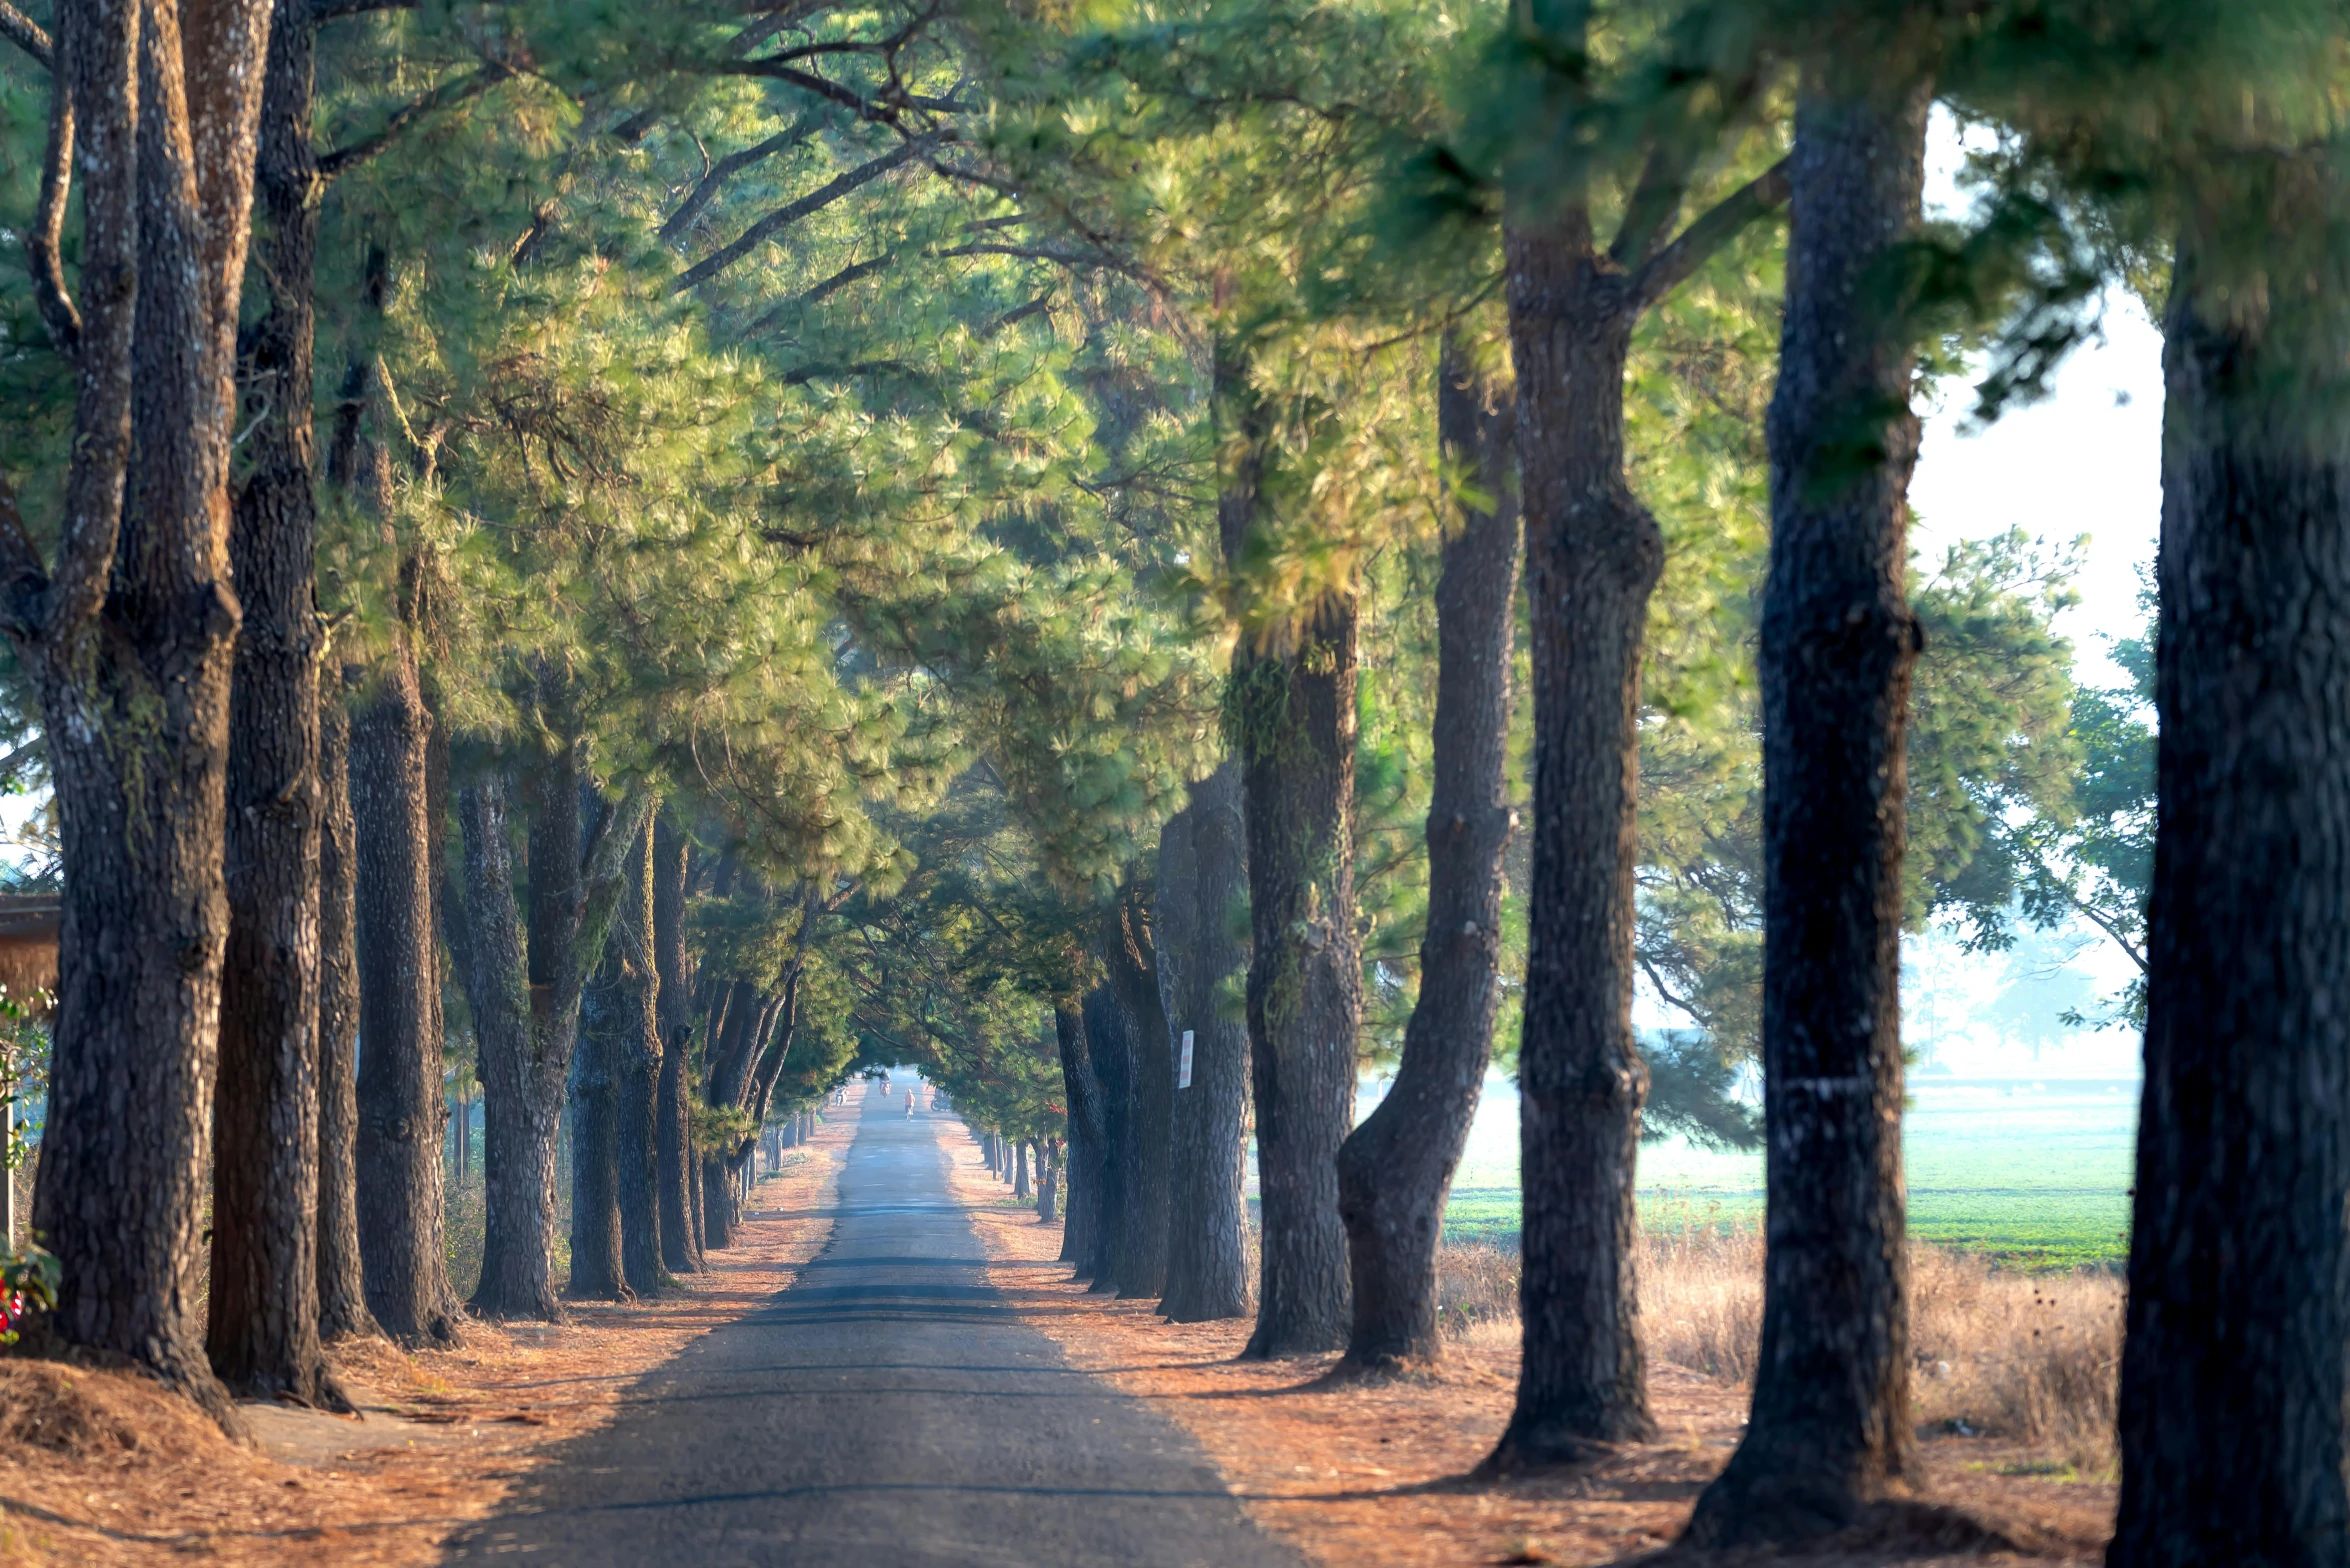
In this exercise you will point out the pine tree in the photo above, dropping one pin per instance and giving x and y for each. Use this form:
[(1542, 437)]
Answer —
[(127, 623)]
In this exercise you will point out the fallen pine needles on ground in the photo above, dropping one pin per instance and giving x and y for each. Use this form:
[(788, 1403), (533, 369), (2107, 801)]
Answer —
[(103, 1466), (1377, 1474)]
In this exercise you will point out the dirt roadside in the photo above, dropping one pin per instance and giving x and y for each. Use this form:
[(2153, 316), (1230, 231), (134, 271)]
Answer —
[(103, 1467), (1374, 1474)]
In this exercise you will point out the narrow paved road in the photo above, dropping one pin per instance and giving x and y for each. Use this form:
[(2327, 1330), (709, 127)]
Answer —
[(889, 1409)]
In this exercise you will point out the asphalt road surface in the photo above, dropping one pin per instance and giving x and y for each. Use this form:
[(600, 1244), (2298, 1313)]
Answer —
[(889, 1409)]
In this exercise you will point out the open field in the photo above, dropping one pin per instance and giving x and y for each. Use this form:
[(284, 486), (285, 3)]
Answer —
[(2035, 1173)]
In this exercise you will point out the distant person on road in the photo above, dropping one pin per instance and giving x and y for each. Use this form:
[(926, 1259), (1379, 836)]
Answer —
[(909, 1102)]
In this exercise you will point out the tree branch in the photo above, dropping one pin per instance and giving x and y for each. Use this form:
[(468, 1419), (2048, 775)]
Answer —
[(22, 31), (1012, 318), (615, 834), (1067, 258), (21, 755), (1662, 187), (729, 166), (448, 94), (880, 111), (324, 11), (1670, 267), (823, 196), (44, 242), (22, 581)]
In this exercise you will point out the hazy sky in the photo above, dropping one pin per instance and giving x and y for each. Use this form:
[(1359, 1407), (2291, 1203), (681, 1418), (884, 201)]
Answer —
[(2085, 463)]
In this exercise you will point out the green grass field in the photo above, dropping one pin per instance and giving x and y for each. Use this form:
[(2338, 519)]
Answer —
[(2034, 1173)]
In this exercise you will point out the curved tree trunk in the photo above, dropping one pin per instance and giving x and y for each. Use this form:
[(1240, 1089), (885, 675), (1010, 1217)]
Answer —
[(1396, 1168), (342, 1290), (1207, 1257), (1830, 1426), (262, 1328), (1140, 1268), (2233, 1378), (399, 1082)]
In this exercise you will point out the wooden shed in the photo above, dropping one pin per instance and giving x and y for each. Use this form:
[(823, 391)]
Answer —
[(29, 927)]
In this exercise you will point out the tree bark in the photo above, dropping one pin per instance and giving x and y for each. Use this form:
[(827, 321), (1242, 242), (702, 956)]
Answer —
[(1207, 1257), (399, 1083), (342, 1289), (262, 1328), (128, 636), (2233, 1379), (1396, 1168), (1140, 1268), (528, 1028), (521, 1083), (1291, 715), (1593, 557), (604, 1023), (1048, 1184), (672, 1111), (1109, 1039), (1083, 1166), (747, 1015), (640, 1079), (1829, 1432)]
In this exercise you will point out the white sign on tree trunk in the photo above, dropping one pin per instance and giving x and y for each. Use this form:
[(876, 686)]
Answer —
[(1183, 1067)]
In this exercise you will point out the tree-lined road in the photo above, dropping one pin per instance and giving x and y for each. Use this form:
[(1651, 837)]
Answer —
[(889, 1408)]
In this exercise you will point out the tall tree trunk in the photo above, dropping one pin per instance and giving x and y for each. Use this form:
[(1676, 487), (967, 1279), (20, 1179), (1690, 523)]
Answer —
[(695, 1210), (640, 1078), (262, 1328), (1297, 739), (1207, 1256), (128, 635), (1109, 1038), (1830, 1425), (342, 1289), (674, 1000), (521, 1081), (399, 1079), (1593, 557), (524, 986), (1291, 715), (604, 1023), (528, 1028), (1048, 1184), (2233, 1377), (1020, 1170), (1140, 1267), (748, 1016), (1082, 1187), (1396, 1168)]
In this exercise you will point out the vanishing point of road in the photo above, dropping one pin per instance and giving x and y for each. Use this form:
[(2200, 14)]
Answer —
[(888, 1410)]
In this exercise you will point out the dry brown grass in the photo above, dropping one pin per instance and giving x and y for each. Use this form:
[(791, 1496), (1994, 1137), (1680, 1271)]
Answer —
[(1376, 1473), (2027, 1357)]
